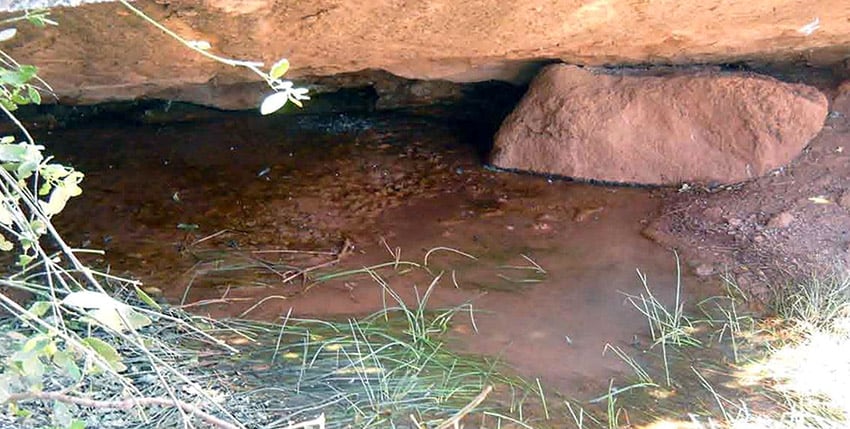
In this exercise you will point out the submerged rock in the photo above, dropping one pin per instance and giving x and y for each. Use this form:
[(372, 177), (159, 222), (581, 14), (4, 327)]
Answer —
[(781, 220), (658, 128)]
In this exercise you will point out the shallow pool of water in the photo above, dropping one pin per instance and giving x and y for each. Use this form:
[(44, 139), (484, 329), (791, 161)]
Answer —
[(241, 215)]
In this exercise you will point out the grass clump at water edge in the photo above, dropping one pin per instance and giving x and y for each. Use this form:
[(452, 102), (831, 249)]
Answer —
[(389, 369), (789, 369)]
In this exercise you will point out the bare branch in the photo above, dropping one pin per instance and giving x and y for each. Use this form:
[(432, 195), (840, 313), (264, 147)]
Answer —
[(125, 404)]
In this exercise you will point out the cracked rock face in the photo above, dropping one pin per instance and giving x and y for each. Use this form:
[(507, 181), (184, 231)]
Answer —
[(701, 126), (101, 52)]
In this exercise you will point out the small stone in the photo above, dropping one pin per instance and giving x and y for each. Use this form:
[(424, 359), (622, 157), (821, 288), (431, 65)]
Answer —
[(152, 291), (844, 201), (546, 217), (734, 222), (781, 221), (542, 226), (704, 270), (585, 213)]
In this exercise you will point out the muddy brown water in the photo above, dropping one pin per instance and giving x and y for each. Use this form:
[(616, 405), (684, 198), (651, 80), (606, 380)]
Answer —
[(247, 192)]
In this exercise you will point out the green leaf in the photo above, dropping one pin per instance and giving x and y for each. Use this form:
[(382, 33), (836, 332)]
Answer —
[(39, 308), (72, 182), (106, 351), (5, 215), (24, 260), (22, 413), (37, 20), (44, 189), (58, 199), (279, 69), (19, 77), (112, 318), (7, 104), (5, 245), (91, 299), (21, 153), (7, 34), (27, 243), (77, 424), (187, 226), (65, 360), (274, 102), (34, 95), (27, 72), (38, 227), (20, 99), (25, 169), (54, 171), (147, 298), (7, 139), (31, 366), (62, 414), (5, 390), (36, 344), (108, 318), (135, 319), (13, 152)]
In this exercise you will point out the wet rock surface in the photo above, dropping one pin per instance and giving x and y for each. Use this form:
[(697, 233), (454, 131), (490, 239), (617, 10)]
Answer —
[(658, 127), (106, 53)]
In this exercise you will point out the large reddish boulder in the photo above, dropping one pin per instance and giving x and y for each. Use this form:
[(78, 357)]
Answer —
[(658, 128)]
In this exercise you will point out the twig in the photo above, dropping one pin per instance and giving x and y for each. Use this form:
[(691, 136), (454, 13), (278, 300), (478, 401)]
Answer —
[(261, 302), (455, 419), (251, 65), (211, 301), (536, 265), (416, 422), (449, 249), (124, 404), (396, 254), (18, 124), (319, 422), (306, 252), (304, 272), (209, 237)]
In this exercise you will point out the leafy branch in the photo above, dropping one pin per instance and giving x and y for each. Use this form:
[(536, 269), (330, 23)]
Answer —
[(285, 91), (76, 333)]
